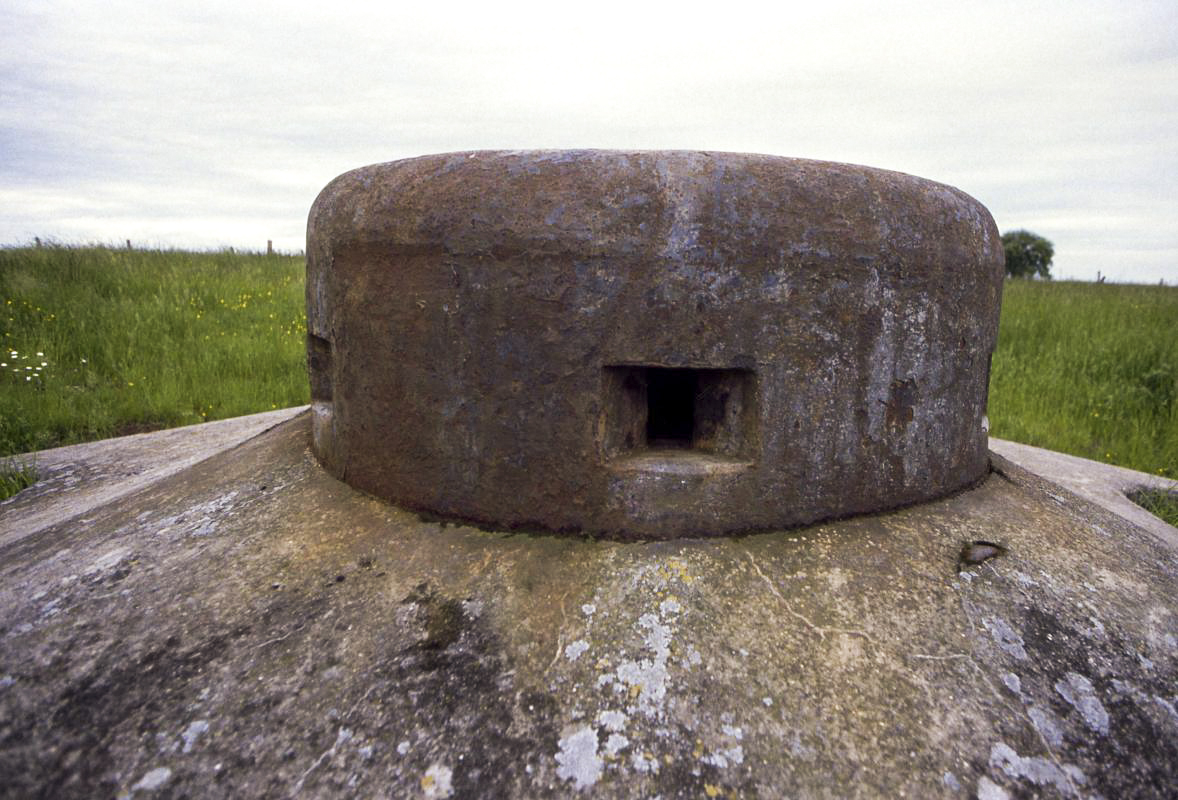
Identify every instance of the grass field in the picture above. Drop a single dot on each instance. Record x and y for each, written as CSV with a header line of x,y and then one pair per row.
x,y
97,342
1089,369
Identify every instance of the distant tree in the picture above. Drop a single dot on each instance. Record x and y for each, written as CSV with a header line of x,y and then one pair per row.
x,y
1027,255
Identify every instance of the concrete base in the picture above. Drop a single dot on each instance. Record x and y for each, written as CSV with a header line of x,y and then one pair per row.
x,y
81,477
251,627
1103,484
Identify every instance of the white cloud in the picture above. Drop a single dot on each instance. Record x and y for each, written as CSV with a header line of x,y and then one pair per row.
x,y
217,123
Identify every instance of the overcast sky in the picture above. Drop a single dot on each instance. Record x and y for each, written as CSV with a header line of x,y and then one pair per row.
x,y
209,124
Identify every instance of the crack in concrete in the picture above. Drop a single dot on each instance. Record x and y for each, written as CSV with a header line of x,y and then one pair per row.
x,y
820,630
342,736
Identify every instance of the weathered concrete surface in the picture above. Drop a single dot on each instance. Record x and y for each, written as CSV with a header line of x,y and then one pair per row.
x,y
1104,484
252,627
489,332
80,477
75,479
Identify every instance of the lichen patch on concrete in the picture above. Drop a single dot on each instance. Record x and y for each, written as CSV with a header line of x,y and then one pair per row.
x,y
577,758
154,779
612,720
437,782
1041,772
193,732
988,790
1079,692
1006,637
1047,725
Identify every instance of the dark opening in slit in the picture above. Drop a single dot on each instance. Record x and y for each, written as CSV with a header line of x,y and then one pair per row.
x,y
651,408
670,404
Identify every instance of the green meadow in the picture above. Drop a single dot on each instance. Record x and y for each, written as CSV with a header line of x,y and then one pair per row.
x,y
98,342
1089,369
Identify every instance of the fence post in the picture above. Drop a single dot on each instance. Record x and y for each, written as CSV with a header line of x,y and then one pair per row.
x,y
269,247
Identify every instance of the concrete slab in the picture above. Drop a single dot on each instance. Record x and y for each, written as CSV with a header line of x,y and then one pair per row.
x,y
1103,484
252,627
79,478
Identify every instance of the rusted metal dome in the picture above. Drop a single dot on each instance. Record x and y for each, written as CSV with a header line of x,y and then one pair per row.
x,y
649,344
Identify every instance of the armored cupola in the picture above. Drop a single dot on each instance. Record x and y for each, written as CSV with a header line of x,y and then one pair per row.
x,y
649,344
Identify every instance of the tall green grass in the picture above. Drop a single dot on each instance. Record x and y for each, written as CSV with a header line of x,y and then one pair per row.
x,y
1089,369
97,342
15,475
